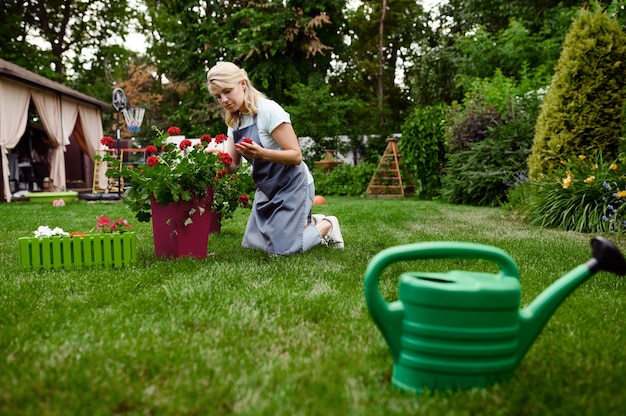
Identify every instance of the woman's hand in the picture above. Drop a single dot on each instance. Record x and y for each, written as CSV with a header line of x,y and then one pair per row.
x,y
290,153
249,149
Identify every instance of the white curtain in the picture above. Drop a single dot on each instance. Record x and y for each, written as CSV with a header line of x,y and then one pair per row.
x,y
14,100
69,112
69,115
49,109
91,121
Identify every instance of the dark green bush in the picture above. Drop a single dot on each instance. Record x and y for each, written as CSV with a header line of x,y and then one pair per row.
x,y
345,179
423,150
481,171
470,122
482,174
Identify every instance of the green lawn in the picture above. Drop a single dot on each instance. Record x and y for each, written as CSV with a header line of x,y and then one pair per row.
x,y
243,333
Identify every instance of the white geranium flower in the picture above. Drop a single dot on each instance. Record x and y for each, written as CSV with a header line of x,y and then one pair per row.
x,y
45,231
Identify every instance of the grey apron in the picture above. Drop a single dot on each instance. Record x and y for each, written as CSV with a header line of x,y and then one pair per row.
x,y
279,212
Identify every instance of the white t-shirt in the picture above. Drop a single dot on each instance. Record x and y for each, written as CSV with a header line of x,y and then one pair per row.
x,y
269,116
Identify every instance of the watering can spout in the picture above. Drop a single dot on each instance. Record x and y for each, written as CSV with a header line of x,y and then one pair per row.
x,y
605,257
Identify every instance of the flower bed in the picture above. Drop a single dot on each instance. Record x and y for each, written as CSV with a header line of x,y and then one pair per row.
x,y
56,252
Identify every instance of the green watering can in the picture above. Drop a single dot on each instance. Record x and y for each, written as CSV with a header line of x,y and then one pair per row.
x,y
465,329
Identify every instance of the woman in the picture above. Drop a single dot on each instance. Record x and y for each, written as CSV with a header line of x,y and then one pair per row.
x,y
261,131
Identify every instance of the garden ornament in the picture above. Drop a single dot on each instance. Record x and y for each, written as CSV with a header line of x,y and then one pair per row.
x,y
465,329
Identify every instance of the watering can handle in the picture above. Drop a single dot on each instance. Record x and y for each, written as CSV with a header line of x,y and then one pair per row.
x,y
388,317
443,250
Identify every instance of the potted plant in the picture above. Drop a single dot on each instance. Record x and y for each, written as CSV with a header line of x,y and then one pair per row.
x,y
183,187
108,244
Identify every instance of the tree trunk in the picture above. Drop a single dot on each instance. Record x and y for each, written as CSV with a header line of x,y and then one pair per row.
x,y
381,62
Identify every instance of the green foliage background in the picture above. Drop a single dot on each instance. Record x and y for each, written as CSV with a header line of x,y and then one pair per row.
x,y
476,57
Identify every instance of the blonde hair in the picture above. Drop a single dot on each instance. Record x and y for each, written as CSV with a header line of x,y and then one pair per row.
x,y
225,75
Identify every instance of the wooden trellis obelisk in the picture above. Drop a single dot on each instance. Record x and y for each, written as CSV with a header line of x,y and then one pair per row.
x,y
387,181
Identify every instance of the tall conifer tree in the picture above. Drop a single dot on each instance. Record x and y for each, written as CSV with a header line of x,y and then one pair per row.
x,y
581,113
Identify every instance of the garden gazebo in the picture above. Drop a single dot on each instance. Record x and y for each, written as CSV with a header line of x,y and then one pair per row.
x,y
67,117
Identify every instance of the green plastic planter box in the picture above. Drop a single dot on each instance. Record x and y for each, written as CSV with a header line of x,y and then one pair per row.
x,y
55,252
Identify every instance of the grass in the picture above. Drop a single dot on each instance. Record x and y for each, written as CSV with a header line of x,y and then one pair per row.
x,y
243,333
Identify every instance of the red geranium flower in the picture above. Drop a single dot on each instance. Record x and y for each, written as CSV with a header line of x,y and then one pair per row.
x,y
152,161
173,131
222,173
220,138
151,150
120,223
107,141
243,200
103,223
226,159
185,144
205,138
247,140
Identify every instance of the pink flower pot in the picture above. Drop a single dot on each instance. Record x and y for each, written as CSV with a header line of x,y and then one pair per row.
x,y
216,222
182,228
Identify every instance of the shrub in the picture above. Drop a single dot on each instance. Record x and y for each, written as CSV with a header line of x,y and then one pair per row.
x,y
469,123
582,110
586,195
345,179
423,150
481,172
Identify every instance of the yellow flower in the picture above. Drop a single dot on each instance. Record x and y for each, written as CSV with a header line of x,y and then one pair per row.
x,y
613,166
582,157
621,194
595,166
567,180
590,179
